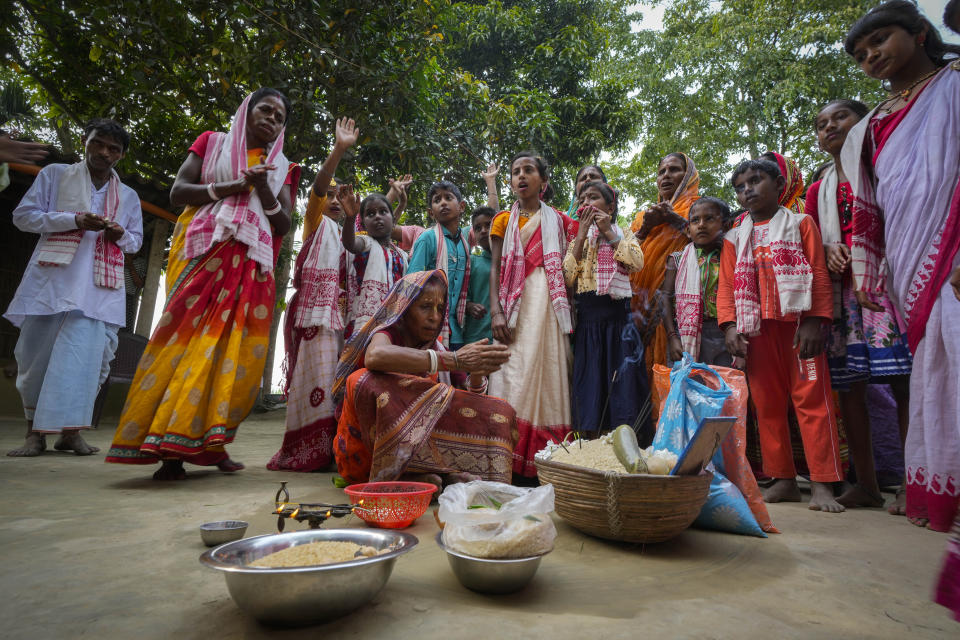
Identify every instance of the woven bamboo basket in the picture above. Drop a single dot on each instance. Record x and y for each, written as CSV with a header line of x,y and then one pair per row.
x,y
631,508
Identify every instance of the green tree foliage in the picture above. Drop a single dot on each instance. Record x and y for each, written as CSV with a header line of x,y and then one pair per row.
x,y
437,88
548,67
728,80
173,68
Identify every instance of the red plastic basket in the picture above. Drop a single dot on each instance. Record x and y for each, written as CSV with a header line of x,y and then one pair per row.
x,y
391,505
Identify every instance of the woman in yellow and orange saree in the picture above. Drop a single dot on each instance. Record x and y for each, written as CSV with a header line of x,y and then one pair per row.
x,y
200,373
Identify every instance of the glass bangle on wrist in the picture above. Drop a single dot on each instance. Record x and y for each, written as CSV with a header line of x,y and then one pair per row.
x,y
274,210
212,192
482,388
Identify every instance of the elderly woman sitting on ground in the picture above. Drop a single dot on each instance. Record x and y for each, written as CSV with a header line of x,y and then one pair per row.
x,y
402,416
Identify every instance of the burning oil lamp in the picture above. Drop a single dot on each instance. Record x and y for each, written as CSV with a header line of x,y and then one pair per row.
x,y
315,513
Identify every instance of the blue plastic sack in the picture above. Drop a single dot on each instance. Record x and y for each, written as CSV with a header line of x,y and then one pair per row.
x,y
688,402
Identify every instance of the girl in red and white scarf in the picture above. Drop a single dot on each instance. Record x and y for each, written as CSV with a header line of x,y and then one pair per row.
x,y
530,311
610,387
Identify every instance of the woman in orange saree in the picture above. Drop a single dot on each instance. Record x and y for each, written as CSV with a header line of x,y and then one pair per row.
x,y
661,230
402,415
200,373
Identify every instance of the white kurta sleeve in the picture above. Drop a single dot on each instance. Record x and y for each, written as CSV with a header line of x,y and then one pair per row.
x,y
131,219
34,214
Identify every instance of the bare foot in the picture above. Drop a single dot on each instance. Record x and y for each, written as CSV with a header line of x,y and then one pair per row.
x,y
782,490
170,470
821,498
230,466
857,496
73,441
899,506
919,522
66,443
460,476
36,443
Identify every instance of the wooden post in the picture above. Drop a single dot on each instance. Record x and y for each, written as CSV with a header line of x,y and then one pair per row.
x,y
148,300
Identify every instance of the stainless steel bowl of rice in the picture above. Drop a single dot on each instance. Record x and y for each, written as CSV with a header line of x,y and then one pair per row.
x,y
308,593
491,575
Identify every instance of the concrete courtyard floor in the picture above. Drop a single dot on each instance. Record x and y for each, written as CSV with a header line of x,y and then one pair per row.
x,y
95,550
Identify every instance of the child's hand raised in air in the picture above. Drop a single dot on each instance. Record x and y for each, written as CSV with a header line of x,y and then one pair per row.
x,y
838,258
349,202
401,184
491,172
476,310
346,133
736,343
398,189
809,338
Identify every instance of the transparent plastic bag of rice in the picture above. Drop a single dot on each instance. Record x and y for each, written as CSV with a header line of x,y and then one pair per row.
x,y
496,520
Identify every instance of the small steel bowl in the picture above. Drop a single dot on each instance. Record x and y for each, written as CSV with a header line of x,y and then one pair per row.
x,y
216,533
486,575
296,596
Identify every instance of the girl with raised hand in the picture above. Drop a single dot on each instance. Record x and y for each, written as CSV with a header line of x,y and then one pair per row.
x,y
377,262
903,164
530,311
863,345
313,324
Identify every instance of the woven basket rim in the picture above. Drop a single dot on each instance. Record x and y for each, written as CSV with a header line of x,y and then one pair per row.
x,y
604,475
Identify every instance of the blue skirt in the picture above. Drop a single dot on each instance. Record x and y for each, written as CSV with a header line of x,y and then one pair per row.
x,y
610,385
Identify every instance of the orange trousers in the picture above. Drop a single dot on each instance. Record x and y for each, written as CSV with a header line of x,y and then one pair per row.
x,y
777,376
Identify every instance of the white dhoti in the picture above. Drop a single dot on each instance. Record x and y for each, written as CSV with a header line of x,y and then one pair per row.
x,y
62,359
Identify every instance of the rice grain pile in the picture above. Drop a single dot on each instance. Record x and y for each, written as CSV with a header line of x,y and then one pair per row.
x,y
316,553
531,535
598,454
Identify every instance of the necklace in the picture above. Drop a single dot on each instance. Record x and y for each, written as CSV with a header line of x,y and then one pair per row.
x,y
904,94
846,205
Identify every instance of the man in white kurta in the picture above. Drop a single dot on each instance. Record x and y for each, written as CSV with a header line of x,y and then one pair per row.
x,y
69,315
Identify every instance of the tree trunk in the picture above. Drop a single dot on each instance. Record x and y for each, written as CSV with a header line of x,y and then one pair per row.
x,y
282,278
148,300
